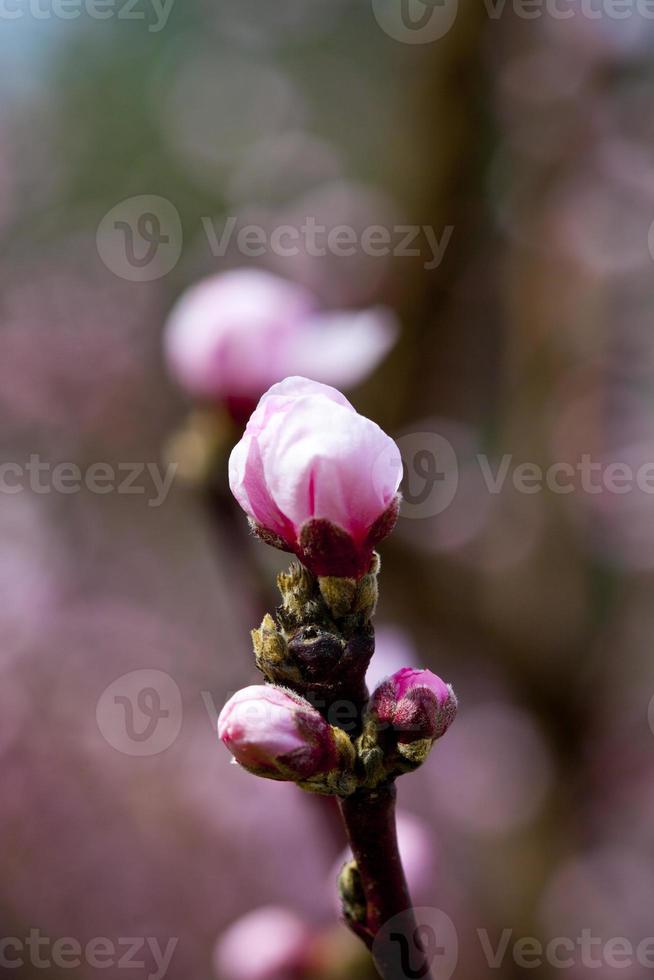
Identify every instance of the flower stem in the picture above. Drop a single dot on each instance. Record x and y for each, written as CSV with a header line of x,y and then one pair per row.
x,y
369,817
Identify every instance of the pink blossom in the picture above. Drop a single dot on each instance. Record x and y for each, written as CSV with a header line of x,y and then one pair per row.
x,y
409,677
276,733
270,943
316,478
416,703
234,334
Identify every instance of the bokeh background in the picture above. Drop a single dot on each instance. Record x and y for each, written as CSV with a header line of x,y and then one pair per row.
x,y
531,138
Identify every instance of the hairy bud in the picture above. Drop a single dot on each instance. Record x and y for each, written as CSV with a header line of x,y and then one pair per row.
x,y
417,704
275,733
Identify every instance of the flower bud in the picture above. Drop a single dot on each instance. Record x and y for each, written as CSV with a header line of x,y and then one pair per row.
x,y
276,733
271,654
417,704
316,478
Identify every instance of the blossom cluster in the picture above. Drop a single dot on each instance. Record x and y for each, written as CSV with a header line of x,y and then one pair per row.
x,y
321,481
273,732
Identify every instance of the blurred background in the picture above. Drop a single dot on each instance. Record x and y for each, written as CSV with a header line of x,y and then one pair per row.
x,y
131,135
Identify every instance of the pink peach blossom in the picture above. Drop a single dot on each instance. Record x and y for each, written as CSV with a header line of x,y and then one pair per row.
x,y
276,733
232,335
409,677
416,703
316,478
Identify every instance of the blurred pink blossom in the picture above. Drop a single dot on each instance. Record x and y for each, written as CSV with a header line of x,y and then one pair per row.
x,y
233,335
267,944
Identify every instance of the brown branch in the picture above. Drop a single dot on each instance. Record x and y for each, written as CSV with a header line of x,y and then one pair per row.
x,y
388,918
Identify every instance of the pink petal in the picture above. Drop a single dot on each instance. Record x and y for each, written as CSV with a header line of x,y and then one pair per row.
x,y
342,348
324,462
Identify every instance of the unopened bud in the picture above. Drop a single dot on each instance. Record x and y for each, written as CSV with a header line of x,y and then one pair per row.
x,y
271,653
275,733
417,704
